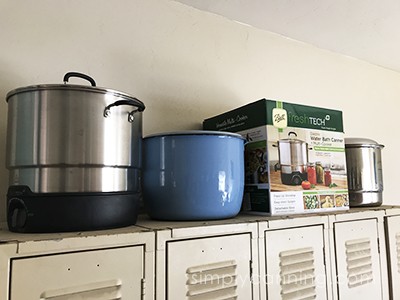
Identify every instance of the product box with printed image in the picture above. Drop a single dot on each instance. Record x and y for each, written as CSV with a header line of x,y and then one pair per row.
x,y
294,156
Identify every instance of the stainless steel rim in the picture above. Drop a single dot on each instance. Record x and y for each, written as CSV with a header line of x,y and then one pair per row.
x,y
70,87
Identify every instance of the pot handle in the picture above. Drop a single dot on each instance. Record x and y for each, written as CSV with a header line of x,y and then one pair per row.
x,y
132,102
80,75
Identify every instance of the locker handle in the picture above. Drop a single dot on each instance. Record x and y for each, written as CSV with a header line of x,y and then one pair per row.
x,y
212,266
116,283
359,241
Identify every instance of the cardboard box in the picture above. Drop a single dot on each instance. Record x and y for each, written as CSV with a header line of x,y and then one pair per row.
x,y
295,156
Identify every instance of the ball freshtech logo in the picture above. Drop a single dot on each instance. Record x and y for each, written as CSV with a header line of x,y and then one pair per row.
x,y
305,119
279,118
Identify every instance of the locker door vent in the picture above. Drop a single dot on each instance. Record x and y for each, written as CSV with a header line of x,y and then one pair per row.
x,y
297,274
106,290
398,250
359,262
216,281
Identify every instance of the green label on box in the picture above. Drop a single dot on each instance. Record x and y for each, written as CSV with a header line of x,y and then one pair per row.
x,y
276,113
295,115
245,117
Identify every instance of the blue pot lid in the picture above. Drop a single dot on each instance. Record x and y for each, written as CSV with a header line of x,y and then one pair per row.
x,y
197,133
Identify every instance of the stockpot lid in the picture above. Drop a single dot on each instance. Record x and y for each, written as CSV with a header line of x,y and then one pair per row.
x,y
75,87
197,133
361,142
292,139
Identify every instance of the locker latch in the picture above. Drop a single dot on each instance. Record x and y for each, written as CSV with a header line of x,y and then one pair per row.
x,y
143,288
251,270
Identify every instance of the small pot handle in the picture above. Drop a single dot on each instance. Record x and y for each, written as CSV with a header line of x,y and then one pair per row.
x,y
80,75
292,132
132,102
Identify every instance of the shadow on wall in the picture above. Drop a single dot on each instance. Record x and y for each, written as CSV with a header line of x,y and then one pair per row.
x,y
178,94
7,83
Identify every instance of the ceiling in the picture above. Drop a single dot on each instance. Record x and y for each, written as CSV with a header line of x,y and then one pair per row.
x,y
365,29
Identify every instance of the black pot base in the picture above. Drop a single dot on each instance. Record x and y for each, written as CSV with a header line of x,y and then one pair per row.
x,y
294,178
29,212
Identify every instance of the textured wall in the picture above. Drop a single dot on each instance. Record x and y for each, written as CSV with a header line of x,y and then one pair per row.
x,y
186,65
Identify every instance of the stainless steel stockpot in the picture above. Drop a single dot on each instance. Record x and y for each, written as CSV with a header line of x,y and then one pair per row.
x,y
364,171
65,138
293,153
293,158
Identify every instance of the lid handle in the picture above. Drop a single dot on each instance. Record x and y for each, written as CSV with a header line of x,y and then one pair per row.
x,y
79,75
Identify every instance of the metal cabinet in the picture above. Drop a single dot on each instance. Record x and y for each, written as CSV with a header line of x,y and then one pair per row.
x,y
359,255
334,256
214,267
392,227
292,258
101,274
206,260
110,264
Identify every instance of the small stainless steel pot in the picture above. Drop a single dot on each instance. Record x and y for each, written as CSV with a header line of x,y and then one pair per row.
x,y
364,171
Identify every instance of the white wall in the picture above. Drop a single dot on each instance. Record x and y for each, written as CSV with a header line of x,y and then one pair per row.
x,y
186,65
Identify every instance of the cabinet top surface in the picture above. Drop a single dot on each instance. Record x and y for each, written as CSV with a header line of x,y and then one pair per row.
x,y
145,224
7,236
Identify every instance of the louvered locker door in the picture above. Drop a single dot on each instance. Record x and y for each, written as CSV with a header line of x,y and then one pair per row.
x,y
214,268
357,260
393,240
100,274
295,264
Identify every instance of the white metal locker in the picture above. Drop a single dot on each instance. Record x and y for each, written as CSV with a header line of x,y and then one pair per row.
x,y
295,263
210,268
107,264
357,255
393,252
206,260
102,274
293,255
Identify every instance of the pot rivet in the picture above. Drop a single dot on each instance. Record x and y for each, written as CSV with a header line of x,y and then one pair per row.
x,y
131,117
106,112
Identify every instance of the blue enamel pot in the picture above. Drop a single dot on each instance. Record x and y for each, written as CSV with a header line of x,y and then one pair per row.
x,y
193,175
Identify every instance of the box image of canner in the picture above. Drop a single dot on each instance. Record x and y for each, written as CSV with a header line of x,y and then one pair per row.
x,y
294,156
